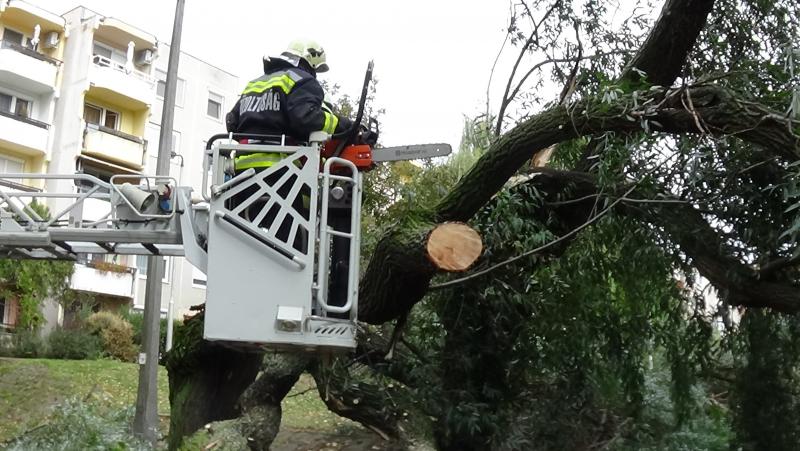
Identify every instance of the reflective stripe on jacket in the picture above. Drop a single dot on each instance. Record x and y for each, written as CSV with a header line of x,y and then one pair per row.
x,y
286,100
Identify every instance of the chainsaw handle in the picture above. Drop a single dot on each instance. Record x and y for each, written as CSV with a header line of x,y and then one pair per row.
x,y
353,131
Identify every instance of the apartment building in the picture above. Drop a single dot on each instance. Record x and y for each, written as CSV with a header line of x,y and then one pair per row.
x,y
106,92
83,93
31,52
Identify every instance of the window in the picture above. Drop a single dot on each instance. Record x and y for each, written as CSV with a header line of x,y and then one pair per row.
x,y
5,102
99,49
161,87
103,51
161,84
9,165
2,310
176,141
100,116
111,119
15,105
141,266
198,278
92,114
214,108
22,108
108,55
13,37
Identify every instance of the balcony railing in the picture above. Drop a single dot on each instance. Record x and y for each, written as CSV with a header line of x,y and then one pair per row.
x,y
102,61
115,132
115,145
102,281
27,120
29,52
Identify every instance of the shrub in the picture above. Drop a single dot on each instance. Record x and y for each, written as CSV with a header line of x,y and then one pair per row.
x,y
137,321
74,344
27,344
116,335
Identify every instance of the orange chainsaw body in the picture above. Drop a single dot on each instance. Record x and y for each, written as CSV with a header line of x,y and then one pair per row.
x,y
359,154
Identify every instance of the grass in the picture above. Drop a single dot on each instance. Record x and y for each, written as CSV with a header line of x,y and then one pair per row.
x,y
94,399
30,389
303,409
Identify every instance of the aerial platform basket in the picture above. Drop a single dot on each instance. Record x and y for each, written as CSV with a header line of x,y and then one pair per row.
x,y
261,237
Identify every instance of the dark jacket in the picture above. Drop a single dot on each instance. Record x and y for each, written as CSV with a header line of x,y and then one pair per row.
x,y
285,100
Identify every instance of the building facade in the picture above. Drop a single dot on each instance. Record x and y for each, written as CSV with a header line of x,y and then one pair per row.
x,y
83,93
31,67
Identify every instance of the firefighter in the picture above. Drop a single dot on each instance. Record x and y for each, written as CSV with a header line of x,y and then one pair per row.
x,y
287,100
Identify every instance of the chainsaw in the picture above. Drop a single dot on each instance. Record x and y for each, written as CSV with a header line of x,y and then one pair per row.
x,y
358,144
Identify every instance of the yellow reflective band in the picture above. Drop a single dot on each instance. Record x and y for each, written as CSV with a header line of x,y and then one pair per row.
x,y
331,121
284,82
257,160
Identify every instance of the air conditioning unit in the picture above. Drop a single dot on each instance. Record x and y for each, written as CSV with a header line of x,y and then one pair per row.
x,y
145,57
51,40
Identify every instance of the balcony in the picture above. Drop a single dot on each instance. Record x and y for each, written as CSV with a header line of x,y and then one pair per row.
x,y
104,278
27,69
132,85
113,145
23,134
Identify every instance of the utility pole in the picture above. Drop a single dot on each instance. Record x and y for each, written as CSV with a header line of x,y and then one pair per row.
x,y
145,423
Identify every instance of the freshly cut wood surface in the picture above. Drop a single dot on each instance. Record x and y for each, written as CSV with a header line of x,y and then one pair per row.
x,y
454,246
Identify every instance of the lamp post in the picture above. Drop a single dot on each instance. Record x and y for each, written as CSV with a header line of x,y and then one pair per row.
x,y
145,423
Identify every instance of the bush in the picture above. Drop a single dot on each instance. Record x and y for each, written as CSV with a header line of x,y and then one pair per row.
x,y
74,344
26,344
116,335
137,321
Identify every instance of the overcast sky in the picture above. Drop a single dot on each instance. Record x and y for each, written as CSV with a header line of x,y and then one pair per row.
x,y
432,58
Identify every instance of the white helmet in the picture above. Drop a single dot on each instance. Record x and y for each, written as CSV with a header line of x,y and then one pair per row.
x,y
308,50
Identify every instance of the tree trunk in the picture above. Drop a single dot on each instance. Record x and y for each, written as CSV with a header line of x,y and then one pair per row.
x,y
402,265
205,380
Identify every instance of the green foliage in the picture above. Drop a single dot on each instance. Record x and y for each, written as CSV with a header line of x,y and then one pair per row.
x,y
115,333
78,426
136,319
30,281
24,344
766,399
600,310
708,429
73,344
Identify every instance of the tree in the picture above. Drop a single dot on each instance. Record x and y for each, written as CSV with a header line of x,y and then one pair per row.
x,y
30,282
676,156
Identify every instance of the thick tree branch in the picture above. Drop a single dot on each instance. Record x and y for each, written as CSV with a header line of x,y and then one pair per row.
x,y
663,53
658,110
397,276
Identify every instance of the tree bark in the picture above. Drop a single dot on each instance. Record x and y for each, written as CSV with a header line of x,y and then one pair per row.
x,y
205,380
663,53
400,270
260,404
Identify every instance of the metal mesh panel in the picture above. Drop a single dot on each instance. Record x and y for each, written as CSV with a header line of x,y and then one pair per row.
x,y
276,203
